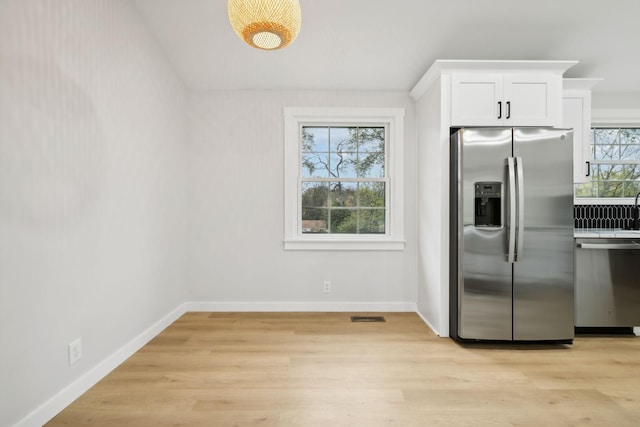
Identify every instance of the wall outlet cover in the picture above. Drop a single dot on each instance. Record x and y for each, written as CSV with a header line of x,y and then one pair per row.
x,y
326,286
75,351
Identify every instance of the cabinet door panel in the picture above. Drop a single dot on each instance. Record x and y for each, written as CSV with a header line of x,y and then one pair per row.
x,y
576,116
474,100
534,100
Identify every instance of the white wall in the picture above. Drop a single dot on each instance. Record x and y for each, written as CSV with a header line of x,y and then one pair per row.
x,y
623,100
237,200
433,208
92,190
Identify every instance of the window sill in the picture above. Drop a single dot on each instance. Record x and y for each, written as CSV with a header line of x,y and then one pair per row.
x,y
343,245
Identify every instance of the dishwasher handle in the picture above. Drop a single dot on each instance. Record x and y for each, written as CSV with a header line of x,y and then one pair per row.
x,y
633,245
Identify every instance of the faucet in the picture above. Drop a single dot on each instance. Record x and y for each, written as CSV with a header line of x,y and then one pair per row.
x,y
635,225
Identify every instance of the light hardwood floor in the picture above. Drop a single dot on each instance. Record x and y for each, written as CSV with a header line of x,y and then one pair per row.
x,y
319,369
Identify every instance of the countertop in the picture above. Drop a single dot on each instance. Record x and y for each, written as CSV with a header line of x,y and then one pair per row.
x,y
607,233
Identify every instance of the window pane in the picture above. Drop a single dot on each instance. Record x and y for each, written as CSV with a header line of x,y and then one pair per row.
x,y
371,165
343,139
371,194
630,152
315,195
315,202
606,136
344,221
343,165
372,221
609,173
630,136
631,172
371,152
606,152
315,139
344,194
631,188
371,140
588,189
610,189
315,165
314,220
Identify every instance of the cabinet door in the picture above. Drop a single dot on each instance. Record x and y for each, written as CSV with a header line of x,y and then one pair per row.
x,y
474,100
532,100
576,115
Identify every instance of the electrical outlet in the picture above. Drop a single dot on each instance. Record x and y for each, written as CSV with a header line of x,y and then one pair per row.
x,y
326,286
75,351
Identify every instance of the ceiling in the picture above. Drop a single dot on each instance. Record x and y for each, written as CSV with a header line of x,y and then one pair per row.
x,y
389,44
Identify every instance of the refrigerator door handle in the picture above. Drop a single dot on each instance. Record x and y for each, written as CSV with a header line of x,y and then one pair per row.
x,y
520,239
512,210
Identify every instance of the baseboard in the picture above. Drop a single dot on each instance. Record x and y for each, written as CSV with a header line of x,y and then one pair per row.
x,y
302,306
64,397
424,319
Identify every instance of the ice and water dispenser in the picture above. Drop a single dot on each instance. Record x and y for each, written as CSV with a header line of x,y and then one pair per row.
x,y
488,200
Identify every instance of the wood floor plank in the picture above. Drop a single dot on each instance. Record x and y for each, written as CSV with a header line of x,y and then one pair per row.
x,y
320,369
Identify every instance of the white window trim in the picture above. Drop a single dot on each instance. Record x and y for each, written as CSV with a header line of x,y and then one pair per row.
x,y
294,239
604,118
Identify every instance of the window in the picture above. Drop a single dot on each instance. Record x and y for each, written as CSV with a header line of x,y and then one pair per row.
x,y
615,164
343,178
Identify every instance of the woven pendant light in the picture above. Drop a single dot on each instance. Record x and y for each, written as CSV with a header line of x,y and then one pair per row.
x,y
265,24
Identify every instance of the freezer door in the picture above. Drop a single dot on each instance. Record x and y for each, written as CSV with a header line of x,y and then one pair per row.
x,y
543,271
484,275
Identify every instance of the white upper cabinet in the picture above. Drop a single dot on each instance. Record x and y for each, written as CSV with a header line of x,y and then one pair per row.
x,y
509,99
577,116
533,99
476,99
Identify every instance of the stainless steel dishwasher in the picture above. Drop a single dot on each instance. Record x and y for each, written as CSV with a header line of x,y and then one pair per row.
x,y
607,282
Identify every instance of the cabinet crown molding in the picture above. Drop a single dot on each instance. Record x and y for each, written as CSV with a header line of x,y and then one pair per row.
x,y
448,66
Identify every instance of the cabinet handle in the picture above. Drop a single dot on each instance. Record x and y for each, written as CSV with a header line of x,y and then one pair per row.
x,y
633,245
508,109
499,109
588,168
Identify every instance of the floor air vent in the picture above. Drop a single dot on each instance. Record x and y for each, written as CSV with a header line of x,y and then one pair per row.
x,y
367,319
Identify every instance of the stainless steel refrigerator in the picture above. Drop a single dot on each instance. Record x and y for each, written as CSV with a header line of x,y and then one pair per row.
x,y
511,234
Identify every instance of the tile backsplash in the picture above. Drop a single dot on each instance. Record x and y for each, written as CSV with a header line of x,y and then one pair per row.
x,y
602,216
